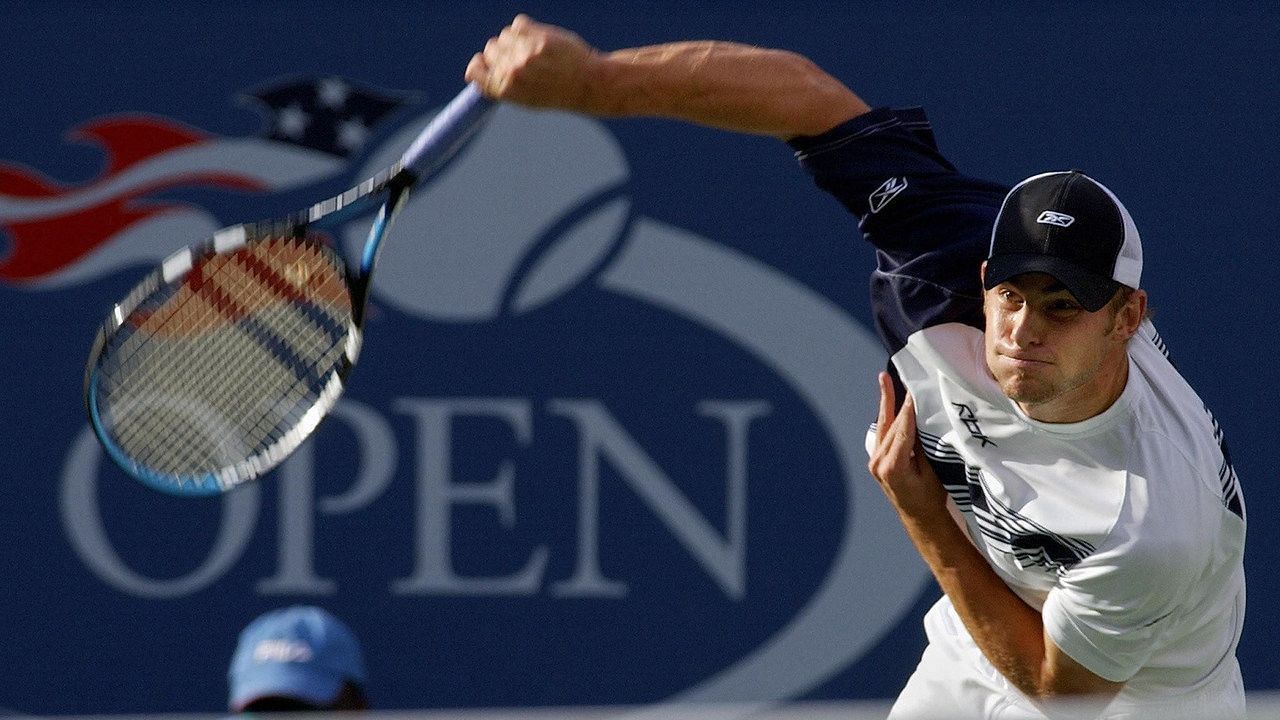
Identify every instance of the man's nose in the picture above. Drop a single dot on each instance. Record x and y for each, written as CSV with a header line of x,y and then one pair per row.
x,y
1025,327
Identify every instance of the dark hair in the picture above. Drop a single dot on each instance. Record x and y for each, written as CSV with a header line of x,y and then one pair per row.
x,y
1118,301
273,703
350,697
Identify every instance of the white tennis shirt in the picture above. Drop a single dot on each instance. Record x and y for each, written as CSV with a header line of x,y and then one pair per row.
x,y
1125,530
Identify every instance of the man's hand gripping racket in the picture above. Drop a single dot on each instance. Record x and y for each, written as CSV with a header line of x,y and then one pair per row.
x,y
224,359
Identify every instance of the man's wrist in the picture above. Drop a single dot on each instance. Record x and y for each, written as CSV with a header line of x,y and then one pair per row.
x,y
601,80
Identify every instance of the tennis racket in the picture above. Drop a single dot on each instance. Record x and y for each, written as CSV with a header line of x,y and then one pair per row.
x,y
224,359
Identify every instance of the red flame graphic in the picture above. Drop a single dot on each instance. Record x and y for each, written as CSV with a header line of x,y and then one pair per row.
x,y
43,245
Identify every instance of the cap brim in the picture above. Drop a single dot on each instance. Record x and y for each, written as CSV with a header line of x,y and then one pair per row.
x,y
283,680
1090,290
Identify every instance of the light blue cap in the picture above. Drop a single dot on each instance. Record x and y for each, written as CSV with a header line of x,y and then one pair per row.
x,y
298,652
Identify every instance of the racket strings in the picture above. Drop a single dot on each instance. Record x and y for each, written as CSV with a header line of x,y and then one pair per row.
x,y
227,369
246,367
215,370
147,404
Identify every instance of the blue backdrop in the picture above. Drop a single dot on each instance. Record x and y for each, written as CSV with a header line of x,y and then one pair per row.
x,y
604,446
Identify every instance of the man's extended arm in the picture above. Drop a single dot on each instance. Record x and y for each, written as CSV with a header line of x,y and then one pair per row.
x,y
1009,632
718,84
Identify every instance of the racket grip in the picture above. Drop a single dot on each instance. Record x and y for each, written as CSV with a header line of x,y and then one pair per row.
x,y
447,131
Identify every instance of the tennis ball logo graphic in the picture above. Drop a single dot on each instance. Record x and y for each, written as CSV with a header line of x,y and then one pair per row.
x,y
531,208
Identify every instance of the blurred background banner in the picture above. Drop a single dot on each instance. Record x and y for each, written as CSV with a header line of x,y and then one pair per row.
x,y
605,443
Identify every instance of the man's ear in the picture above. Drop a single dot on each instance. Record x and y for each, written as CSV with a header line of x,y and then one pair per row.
x,y
1132,314
982,286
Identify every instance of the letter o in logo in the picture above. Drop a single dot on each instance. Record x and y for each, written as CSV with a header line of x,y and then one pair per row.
x,y
82,518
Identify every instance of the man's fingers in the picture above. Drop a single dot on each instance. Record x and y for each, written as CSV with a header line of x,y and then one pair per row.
x,y
491,49
477,70
904,428
885,417
907,415
895,435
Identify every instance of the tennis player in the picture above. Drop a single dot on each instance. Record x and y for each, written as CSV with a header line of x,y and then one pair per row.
x,y
1069,490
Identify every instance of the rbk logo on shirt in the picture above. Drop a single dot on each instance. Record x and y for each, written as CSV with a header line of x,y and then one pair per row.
x,y
970,420
887,191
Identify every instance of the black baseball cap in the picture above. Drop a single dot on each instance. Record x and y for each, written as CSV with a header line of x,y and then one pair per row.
x,y
1071,227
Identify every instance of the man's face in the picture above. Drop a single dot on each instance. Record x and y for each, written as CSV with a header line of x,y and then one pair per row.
x,y
1058,361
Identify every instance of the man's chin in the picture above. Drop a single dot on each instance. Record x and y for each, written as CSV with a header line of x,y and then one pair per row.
x,y
1026,391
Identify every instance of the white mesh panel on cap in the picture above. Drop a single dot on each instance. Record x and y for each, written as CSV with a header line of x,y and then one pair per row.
x,y
1129,262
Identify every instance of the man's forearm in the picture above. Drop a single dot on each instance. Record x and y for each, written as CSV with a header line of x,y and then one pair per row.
x,y
722,85
718,84
1009,632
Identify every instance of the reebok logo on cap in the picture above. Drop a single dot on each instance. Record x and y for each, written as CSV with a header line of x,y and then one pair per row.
x,y
1049,217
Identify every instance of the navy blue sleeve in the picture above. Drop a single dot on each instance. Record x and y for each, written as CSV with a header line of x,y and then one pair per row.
x,y
930,225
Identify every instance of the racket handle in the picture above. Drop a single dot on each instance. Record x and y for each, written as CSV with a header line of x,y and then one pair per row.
x,y
447,131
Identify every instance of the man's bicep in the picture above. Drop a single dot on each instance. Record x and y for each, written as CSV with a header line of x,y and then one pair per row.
x,y
1064,676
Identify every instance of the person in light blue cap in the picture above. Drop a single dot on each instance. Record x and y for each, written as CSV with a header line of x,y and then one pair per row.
x,y
297,658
